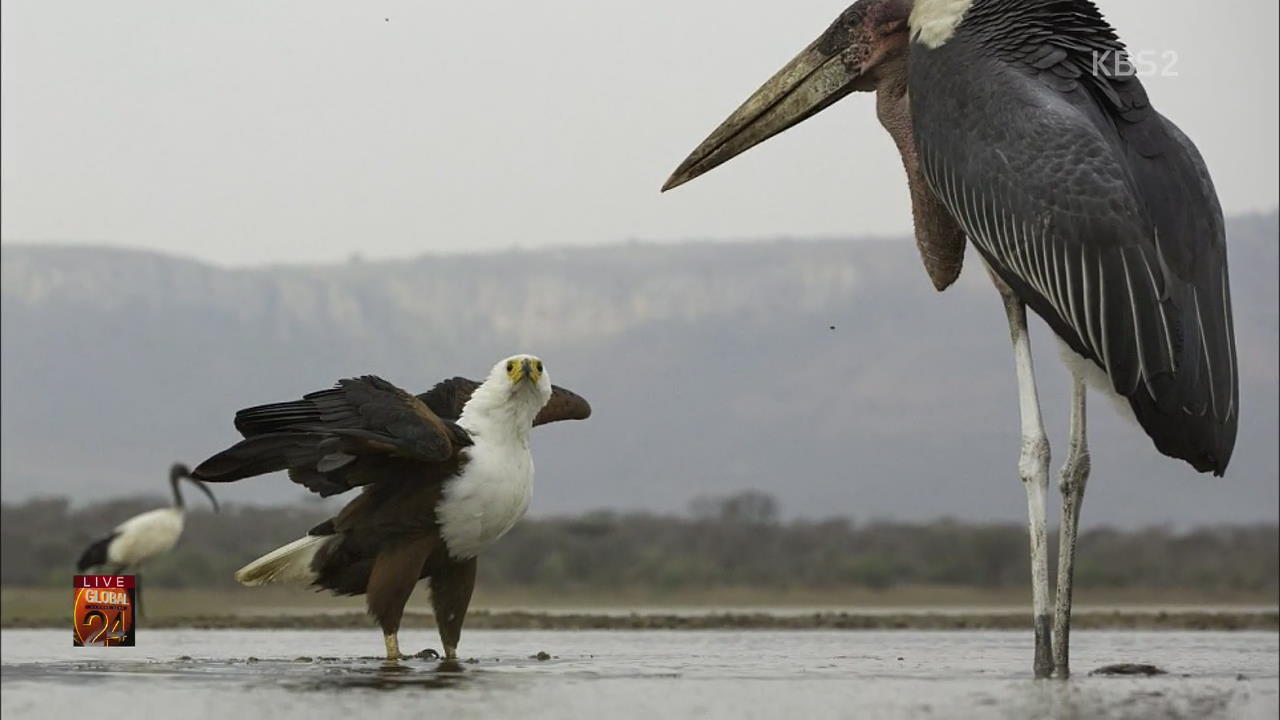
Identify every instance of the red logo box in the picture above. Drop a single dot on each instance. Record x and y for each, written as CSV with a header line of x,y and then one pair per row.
x,y
103,611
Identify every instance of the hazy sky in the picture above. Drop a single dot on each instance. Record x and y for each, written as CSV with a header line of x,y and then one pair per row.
x,y
244,131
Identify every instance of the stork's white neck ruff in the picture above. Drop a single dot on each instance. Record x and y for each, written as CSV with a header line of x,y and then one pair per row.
x,y
933,22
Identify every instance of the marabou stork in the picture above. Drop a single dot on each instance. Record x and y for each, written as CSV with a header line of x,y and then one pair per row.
x,y
1017,131
443,475
144,536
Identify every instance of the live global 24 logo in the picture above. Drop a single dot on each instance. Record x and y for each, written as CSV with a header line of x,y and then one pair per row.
x,y
104,609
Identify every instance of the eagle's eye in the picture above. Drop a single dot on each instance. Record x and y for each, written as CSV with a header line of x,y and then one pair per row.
x,y
538,365
510,366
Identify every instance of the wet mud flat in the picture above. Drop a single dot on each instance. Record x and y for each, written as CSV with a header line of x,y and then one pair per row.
x,y
625,674
1117,619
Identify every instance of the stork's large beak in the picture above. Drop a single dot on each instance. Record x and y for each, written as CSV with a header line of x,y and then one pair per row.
x,y
831,67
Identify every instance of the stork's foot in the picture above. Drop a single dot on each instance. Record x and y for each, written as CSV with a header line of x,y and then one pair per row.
x,y
1042,666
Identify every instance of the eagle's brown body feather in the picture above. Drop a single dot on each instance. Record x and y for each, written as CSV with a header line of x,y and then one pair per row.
x,y
400,449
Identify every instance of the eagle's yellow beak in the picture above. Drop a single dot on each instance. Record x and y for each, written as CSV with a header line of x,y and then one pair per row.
x,y
527,368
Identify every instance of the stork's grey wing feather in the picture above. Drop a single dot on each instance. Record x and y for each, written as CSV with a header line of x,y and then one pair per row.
x,y
1097,212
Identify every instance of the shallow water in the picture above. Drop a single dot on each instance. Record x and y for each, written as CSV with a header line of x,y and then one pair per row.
x,y
646,674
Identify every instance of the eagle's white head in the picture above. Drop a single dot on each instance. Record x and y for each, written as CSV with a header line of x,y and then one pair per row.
x,y
510,397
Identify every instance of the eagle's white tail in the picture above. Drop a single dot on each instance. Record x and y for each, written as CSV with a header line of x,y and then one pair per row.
x,y
288,564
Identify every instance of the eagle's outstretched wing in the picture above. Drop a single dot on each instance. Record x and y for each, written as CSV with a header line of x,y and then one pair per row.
x,y
360,431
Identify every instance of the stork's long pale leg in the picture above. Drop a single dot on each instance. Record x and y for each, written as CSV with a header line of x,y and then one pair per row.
x,y
1033,469
1075,474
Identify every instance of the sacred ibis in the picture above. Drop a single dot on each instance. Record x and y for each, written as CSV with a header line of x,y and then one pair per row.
x,y
143,537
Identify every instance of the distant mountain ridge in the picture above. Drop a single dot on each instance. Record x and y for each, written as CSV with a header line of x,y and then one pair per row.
x,y
827,373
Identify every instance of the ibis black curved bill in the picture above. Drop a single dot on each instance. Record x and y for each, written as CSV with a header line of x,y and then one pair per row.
x,y
179,472
208,493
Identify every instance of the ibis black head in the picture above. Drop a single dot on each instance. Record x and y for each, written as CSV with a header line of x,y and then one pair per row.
x,y
179,471
864,49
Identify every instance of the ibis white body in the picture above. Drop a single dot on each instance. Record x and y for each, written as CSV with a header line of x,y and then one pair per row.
x,y
145,536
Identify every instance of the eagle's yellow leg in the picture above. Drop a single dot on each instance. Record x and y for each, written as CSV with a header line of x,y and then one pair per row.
x,y
450,652
393,647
